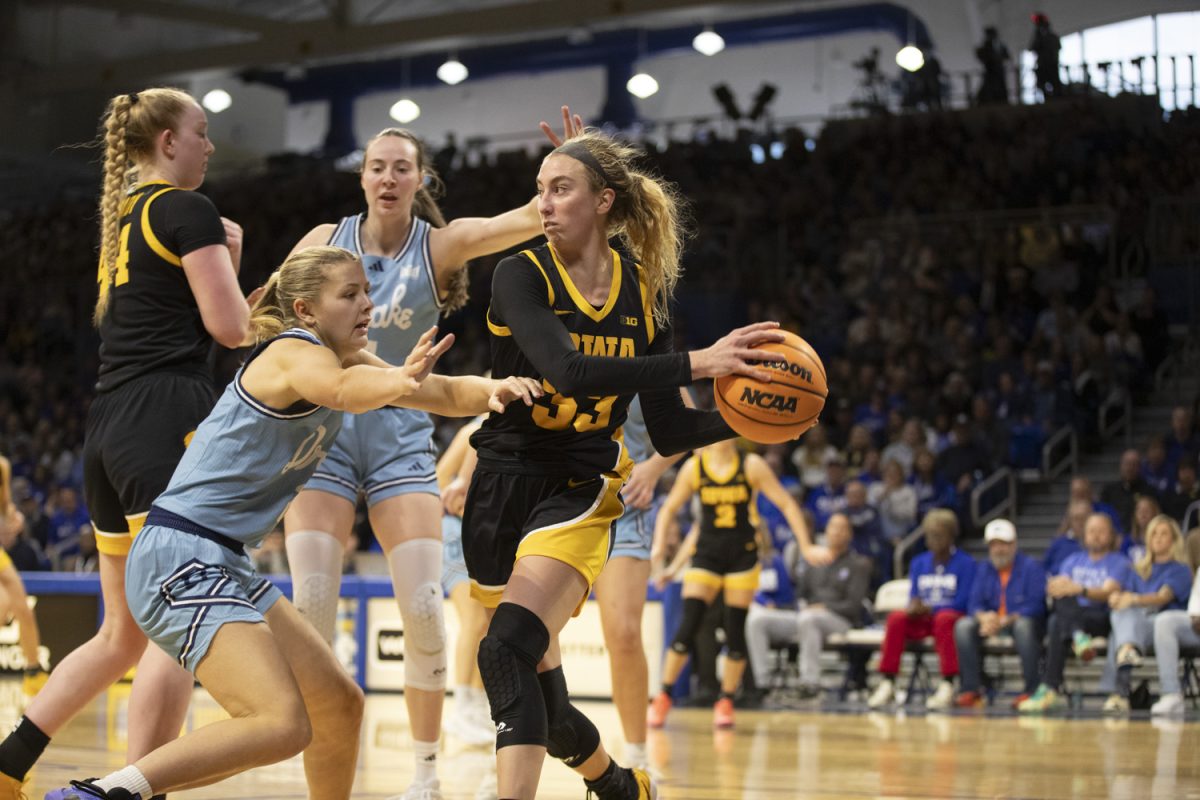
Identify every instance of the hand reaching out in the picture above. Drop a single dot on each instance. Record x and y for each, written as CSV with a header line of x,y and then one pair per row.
x,y
733,353
514,388
572,127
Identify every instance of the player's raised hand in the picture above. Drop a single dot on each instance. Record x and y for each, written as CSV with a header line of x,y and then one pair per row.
x,y
734,353
420,361
572,127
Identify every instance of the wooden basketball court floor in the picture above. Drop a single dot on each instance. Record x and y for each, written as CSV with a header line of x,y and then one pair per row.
x,y
770,754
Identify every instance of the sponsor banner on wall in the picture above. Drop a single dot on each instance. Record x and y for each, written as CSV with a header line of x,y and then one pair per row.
x,y
585,658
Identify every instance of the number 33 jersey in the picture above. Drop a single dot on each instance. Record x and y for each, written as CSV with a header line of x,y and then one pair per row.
x,y
561,435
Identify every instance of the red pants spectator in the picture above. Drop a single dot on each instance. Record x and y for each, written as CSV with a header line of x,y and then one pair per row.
x,y
902,629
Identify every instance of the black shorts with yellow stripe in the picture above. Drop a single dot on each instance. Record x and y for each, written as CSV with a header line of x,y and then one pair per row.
x,y
135,437
740,572
508,517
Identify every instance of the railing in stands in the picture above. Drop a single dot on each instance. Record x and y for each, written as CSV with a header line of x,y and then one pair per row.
x,y
1115,416
1053,463
902,547
985,492
1191,517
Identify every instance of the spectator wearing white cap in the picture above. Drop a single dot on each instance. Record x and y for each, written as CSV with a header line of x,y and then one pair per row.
x,y
1008,596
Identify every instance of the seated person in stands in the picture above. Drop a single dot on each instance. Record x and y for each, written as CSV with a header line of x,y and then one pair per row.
x,y
1080,593
831,600
941,586
1133,544
1007,597
1160,580
1070,540
868,539
830,497
1185,491
1173,630
933,491
1081,489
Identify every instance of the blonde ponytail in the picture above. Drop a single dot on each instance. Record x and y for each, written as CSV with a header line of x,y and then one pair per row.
x,y
116,176
6,501
132,123
648,214
266,317
300,277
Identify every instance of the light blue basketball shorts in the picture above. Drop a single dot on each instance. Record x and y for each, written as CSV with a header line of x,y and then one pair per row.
x,y
182,588
387,452
454,568
635,533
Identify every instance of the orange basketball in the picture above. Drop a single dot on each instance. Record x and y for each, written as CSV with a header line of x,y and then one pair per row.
x,y
784,408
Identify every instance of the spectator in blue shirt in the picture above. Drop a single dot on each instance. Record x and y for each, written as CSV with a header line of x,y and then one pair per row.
x,y
1182,442
1080,593
932,490
1161,580
869,539
830,497
1157,471
1007,596
1133,544
66,522
1070,540
941,587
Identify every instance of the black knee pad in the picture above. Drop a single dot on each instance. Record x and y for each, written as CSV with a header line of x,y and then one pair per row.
x,y
735,633
571,736
689,623
508,657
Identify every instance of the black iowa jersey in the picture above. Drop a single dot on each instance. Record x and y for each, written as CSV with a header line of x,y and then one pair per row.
x,y
728,512
542,327
153,322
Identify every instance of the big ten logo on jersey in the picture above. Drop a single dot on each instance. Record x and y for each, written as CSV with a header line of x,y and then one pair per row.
x,y
309,452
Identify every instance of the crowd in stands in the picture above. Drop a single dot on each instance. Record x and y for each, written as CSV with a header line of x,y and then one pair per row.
x,y
951,349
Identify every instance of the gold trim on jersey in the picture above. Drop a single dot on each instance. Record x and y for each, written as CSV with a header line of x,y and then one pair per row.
x,y
498,330
549,286
581,302
148,232
712,476
746,580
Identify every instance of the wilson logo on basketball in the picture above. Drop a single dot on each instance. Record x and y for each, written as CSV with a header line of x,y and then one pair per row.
x,y
768,400
789,368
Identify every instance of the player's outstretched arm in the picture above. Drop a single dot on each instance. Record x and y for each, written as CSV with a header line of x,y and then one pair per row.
x,y
761,478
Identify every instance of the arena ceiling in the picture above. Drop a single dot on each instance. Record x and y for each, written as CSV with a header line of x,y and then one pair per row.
x,y
64,45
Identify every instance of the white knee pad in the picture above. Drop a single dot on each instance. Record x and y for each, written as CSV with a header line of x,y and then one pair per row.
x,y
416,567
315,560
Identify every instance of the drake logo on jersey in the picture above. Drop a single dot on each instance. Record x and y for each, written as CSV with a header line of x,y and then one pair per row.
x,y
769,400
309,452
393,313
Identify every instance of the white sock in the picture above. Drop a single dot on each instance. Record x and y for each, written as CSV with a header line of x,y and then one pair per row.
x,y
635,755
130,779
315,560
426,756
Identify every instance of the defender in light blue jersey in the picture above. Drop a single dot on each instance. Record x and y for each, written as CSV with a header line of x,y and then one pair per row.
x,y
416,264
191,587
